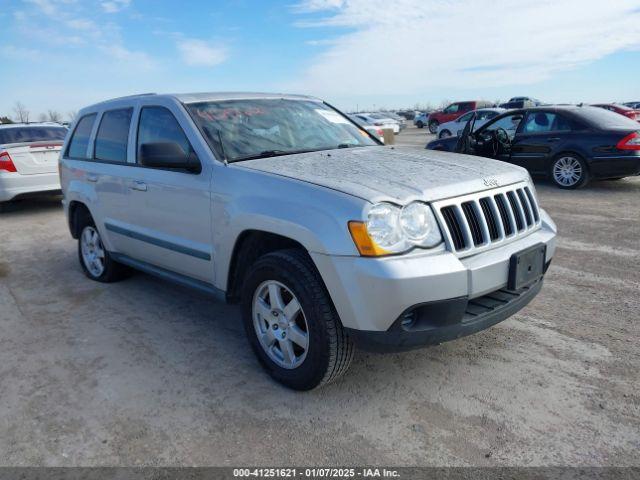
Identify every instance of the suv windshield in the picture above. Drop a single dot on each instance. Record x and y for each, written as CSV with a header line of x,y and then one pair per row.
x,y
31,134
246,129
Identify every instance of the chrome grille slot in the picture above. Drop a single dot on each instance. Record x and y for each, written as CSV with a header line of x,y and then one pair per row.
x,y
474,224
479,221
453,226
492,224
525,205
516,209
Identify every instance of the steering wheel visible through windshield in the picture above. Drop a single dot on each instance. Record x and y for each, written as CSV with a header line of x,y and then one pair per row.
x,y
246,129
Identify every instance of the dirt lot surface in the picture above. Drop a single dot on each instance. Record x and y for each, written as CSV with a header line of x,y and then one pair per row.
x,y
145,373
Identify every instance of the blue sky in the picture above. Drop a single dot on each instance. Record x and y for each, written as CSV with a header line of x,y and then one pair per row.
x,y
64,54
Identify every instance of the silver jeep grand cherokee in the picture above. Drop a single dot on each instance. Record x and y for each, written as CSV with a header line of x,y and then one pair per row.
x,y
326,238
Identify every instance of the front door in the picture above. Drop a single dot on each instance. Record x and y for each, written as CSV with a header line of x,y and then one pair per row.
x,y
540,137
170,209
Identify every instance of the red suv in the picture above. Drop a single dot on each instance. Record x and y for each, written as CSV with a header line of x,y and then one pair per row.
x,y
453,111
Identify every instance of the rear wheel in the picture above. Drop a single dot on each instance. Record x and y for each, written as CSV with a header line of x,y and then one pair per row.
x,y
433,126
569,171
95,260
419,124
291,323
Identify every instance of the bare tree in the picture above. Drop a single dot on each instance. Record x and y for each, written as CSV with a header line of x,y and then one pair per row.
x,y
42,117
22,114
54,116
71,115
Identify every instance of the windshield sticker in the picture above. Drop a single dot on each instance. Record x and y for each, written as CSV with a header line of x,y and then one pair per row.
x,y
333,117
267,132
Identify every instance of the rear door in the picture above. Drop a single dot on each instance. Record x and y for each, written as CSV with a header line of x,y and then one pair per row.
x,y
33,149
541,135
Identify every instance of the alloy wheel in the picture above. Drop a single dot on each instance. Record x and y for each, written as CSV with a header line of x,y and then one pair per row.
x,y
567,171
93,254
280,324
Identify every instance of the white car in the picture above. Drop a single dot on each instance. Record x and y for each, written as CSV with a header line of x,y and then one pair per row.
x,y
379,122
29,159
455,127
372,129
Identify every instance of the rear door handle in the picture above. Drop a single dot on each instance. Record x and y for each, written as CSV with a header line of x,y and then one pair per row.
x,y
553,139
138,185
92,177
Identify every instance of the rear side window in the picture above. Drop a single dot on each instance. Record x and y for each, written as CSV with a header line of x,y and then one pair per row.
x,y
31,134
80,139
113,136
158,125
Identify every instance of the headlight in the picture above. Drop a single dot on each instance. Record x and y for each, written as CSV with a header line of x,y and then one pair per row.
x,y
383,225
391,229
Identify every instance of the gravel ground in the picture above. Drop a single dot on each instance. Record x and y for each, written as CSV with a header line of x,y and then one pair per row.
x,y
145,373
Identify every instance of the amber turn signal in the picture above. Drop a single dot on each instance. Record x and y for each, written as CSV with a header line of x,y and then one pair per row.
x,y
364,243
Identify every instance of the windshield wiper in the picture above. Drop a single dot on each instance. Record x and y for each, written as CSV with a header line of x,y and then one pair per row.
x,y
270,153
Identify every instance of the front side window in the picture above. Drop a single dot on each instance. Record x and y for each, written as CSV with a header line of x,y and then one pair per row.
x,y
466,117
158,125
509,123
113,136
453,108
80,140
245,129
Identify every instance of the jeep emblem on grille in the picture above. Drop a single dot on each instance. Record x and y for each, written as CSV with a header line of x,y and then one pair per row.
x,y
490,182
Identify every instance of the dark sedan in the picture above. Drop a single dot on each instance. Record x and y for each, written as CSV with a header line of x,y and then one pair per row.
x,y
569,144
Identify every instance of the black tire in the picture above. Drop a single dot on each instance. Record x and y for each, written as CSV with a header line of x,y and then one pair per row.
x,y
330,350
444,134
433,126
419,124
113,271
584,171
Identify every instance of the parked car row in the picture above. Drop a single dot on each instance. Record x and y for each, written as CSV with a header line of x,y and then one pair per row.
x,y
379,119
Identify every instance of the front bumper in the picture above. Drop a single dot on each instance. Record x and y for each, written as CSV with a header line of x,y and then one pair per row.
x,y
437,322
14,185
371,295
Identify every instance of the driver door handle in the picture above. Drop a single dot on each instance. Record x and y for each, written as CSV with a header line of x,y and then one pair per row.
x,y
138,185
553,139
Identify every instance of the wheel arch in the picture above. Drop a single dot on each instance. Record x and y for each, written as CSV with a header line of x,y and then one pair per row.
x,y
76,209
249,246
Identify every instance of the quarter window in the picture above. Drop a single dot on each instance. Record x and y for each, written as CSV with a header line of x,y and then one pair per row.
x,y
158,125
113,136
80,139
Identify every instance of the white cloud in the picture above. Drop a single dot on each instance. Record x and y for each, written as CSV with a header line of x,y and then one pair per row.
x,y
113,6
410,45
198,53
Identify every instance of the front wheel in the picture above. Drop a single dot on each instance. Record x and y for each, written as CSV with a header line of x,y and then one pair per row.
x,y
419,124
444,134
433,126
569,171
291,323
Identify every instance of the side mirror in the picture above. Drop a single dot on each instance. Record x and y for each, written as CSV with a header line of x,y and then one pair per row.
x,y
167,155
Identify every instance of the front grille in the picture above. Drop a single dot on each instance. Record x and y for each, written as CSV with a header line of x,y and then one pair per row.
x,y
481,220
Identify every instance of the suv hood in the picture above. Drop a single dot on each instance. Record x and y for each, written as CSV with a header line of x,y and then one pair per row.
x,y
392,173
